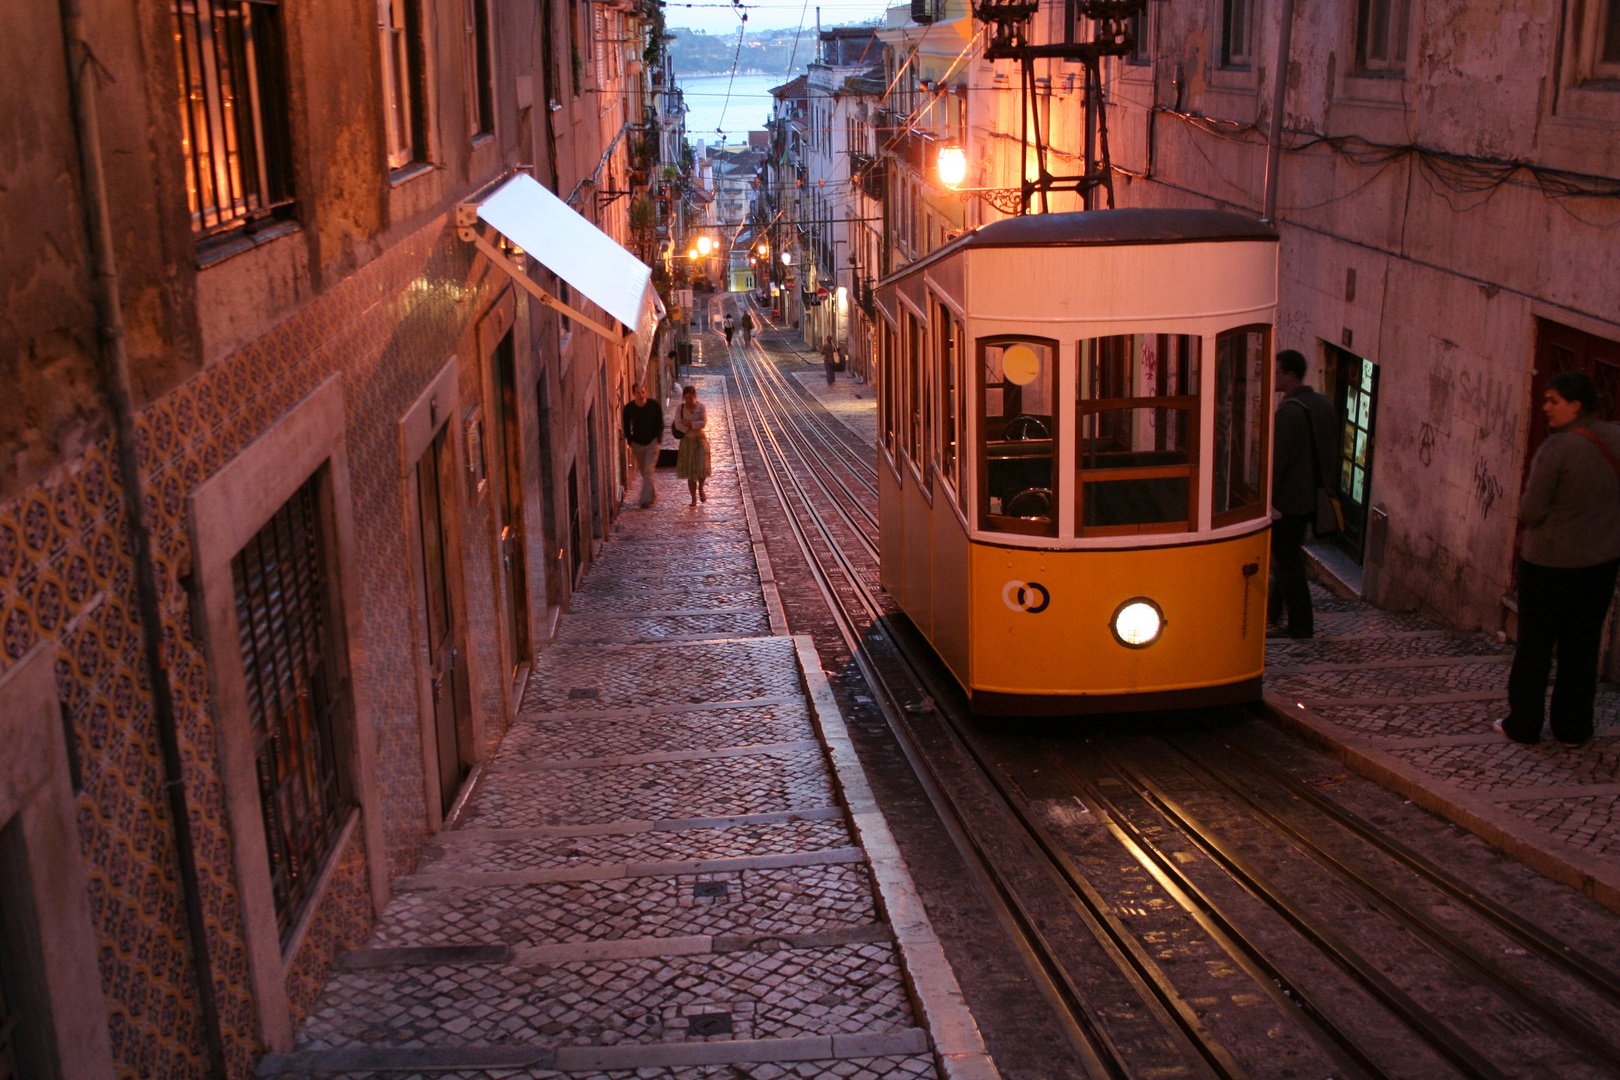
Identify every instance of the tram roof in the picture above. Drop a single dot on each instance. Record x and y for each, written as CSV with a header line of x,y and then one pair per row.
x,y
1102,228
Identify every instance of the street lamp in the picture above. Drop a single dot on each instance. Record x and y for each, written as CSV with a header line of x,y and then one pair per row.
x,y
764,249
787,258
704,245
952,165
692,253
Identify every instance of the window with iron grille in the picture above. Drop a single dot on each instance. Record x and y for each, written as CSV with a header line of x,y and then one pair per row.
x,y
400,22
233,113
1381,27
294,695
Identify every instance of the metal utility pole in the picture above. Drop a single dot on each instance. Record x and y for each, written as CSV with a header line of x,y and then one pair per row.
x,y
1009,22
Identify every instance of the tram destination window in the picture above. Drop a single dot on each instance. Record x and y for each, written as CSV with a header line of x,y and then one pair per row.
x,y
1137,459
1019,433
1242,397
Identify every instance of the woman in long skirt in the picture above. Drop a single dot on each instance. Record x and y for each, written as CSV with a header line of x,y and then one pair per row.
x,y
692,462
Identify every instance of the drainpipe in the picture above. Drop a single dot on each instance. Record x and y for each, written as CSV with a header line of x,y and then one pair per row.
x,y
1279,95
115,388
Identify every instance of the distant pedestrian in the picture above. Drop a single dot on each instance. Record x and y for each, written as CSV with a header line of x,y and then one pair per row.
x,y
1304,450
643,421
829,360
747,328
692,463
728,327
1571,515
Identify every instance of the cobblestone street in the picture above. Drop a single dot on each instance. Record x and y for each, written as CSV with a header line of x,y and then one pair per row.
x,y
1410,704
671,868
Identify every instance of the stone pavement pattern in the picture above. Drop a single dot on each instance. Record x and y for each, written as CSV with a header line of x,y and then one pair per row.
x,y
1411,705
653,877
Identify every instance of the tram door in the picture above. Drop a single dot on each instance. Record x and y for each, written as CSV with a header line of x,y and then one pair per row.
x,y
435,510
510,495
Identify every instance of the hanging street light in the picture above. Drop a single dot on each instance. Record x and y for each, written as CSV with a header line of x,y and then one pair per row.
x,y
787,258
952,165
704,245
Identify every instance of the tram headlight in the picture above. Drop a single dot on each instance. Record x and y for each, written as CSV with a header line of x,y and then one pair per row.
x,y
1137,623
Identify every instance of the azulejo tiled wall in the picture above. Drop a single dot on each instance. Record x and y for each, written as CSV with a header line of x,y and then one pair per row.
x,y
66,574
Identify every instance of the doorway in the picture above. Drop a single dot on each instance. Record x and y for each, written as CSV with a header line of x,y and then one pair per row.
x,y
575,526
593,466
509,493
1352,382
548,491
435,480
1562,348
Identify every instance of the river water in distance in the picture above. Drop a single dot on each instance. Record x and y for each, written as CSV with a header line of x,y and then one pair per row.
x,y
709,112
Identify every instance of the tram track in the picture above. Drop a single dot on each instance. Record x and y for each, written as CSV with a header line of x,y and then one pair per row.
x,y
1229,878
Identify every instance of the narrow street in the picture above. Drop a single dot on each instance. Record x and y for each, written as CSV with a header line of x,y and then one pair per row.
x,y
659,868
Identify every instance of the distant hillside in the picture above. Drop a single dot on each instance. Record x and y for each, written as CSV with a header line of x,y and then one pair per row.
x,y
698,53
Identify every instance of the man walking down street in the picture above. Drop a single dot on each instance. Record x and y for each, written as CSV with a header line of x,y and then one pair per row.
x,y
747,328
1571,515
643,421
829,360
1298,470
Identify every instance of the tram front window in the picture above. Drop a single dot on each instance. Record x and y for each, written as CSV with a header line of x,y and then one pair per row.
x,y
1019,437
1137,460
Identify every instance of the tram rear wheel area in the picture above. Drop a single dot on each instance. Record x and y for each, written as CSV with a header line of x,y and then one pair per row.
x,y
1075,420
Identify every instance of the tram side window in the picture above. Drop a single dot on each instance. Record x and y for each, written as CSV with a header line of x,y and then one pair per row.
x,y
1242,394
1017,382
890,374
945,349
914,398
1138,453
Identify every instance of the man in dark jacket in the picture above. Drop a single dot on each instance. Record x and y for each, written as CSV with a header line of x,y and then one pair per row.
x,y
1571,552
1296,474
643,421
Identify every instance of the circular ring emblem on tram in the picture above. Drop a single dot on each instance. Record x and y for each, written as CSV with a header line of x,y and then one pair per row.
x,y
1030,596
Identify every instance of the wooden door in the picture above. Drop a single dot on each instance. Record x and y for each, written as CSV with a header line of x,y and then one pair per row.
x,y
509,491
435,512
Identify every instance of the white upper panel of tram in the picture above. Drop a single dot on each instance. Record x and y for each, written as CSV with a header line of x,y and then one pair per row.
x,y
1095,379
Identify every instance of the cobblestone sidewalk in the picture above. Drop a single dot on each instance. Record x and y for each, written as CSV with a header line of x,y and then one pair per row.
x,y
659,874
1410,705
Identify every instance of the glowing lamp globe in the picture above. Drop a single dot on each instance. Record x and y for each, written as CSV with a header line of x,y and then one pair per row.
x,y
704,245
952,165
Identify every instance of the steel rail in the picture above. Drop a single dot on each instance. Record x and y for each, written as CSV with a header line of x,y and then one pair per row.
x,y
868,532
1555,952
846,441
775,384
1102,1057
1462,955
1431,1029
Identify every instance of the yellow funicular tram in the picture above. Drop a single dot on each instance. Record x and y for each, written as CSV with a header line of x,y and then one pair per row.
x,y
1076,423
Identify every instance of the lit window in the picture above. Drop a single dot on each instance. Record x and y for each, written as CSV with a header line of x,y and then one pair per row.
x,y
233,118
1138,452
1018,436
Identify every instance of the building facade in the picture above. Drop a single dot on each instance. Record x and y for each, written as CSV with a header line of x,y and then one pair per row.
x,y
296,483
